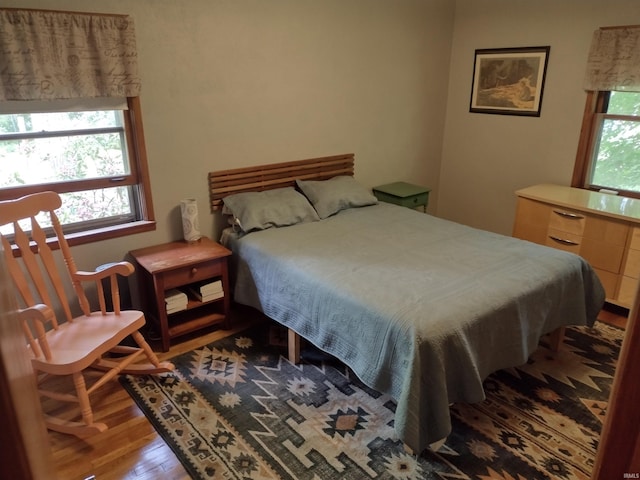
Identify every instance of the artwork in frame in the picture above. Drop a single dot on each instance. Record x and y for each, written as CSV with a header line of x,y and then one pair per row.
x,y
509,81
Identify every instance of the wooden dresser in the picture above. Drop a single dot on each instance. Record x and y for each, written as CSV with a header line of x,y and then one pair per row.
x,y
601,227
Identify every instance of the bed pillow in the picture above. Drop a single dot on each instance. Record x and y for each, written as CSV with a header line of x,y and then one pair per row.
x,y
272,208
338,193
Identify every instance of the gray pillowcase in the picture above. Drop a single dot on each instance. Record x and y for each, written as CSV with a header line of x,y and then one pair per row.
x,y
328,197
272,208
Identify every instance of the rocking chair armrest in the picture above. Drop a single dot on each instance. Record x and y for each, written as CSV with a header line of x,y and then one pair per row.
x,y
40,312
123,268
34,321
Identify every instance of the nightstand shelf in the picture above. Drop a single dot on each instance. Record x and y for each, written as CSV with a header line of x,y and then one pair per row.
x,y
187,321
403,194
179,265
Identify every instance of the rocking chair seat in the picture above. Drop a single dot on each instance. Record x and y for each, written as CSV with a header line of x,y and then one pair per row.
x,y
75,346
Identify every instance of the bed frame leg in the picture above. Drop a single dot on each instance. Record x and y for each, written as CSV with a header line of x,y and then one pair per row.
x,y
294,347
556,338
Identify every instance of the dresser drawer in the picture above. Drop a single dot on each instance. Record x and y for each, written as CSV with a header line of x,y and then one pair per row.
x,y
602,255
632,265
532,212
609,282
627,291
635,239
607,231
532,220
194,273
567,221
563,240
632,262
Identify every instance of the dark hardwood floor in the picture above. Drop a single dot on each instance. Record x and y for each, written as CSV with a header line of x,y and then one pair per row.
x,y
614,315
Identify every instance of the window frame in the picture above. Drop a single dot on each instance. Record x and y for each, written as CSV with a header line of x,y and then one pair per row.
x,y
597,103
138,178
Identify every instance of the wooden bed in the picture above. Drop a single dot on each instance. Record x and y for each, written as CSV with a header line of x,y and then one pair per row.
x,y
277,175
442,312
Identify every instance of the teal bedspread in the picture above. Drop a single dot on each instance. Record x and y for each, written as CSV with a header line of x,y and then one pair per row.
x,y
420,308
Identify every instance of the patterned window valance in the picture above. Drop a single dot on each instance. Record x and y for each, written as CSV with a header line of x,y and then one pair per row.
x,y
47,55
614,59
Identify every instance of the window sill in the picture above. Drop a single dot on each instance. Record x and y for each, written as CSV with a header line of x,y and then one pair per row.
x,y
96,235
618,192
99,234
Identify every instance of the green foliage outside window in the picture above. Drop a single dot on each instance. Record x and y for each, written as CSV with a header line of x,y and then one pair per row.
x,y
617,156
45,148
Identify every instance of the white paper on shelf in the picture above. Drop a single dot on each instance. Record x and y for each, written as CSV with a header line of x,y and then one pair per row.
x,y
175,296
177,308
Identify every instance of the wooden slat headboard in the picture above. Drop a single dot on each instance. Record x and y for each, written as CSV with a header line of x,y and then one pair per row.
x,y
275,175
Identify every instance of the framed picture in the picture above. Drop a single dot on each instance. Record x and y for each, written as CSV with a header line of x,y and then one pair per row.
x,y
509,81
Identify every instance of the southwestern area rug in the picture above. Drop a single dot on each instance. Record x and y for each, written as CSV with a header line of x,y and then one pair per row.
x,y
237,409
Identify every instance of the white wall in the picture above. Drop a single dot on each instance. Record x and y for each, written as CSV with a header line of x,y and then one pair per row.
x,y
487,157
230,83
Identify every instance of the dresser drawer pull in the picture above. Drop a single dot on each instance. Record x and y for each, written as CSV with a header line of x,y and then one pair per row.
x,y
573,216
194,270
563,241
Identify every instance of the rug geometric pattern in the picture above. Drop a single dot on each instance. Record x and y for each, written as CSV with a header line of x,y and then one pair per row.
x,y
238,409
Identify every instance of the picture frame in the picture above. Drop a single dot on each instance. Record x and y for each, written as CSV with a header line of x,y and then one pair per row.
x,y
509,81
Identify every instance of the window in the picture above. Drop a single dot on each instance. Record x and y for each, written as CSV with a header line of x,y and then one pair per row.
x,y
609,151
92,156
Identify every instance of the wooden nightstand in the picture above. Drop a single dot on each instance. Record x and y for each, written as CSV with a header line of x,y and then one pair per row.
x,y
404,194
179,265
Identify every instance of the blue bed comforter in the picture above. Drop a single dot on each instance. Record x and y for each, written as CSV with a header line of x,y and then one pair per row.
x,y
420,308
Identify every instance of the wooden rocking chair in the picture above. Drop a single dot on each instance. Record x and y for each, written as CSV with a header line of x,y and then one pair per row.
x,y
91,341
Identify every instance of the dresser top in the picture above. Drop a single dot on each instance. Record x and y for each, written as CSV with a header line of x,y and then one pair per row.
x,y
606,204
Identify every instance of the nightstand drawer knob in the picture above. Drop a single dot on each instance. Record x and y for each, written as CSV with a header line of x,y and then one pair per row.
x,y
194,270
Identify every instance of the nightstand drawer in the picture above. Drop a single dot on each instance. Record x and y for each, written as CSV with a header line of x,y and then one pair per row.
x,y
411,201
403,194
195,273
